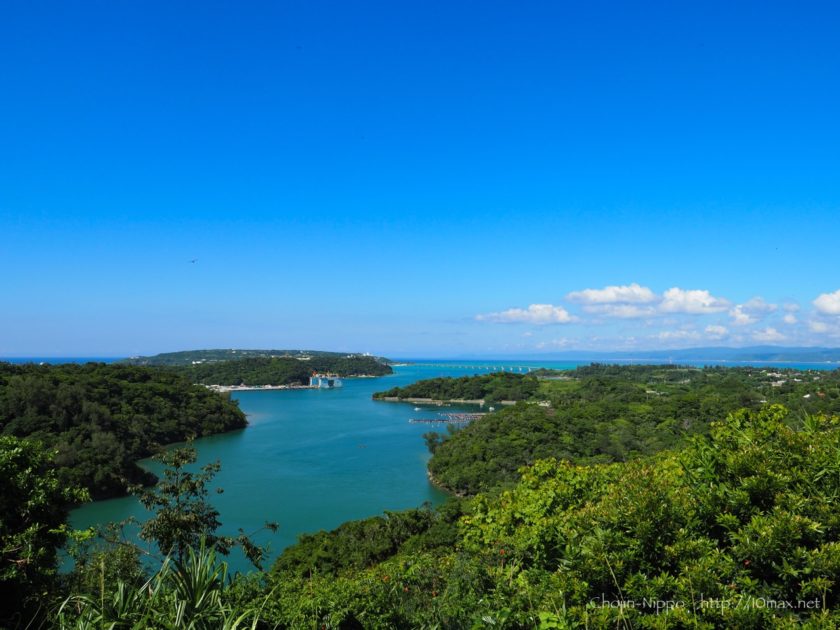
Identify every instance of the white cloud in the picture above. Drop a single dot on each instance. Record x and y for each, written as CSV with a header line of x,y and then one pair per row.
x,y
828,303
677,317
635,301
677,335
535,314
740,317
621,311
751,311
818,327
554,343
695,302
758,305
716,331
768,334
630,293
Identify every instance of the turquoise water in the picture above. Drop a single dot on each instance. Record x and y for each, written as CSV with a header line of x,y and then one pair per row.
x,y
312,459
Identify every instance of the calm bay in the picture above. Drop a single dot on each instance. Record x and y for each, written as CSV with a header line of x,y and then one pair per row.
x,y
312,459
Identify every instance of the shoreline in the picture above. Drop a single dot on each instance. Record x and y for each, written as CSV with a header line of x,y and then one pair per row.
x,y
439,403
255,388
439,486
251,388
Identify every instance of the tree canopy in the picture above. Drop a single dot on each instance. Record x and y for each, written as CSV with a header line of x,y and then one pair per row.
x,y
33,513
605,413
707,516
258,371
493,387
101,418
737,528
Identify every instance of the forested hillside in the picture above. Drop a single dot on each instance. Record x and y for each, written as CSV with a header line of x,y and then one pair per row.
x,y
736,529
102,418
259,371
605,413
735,526
189,357
491,388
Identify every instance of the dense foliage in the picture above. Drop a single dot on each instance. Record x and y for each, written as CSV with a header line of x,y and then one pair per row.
x,y
100,419
189,357
735,530
494,387
734,526
738,529
188,593
260,371
361,544
32,526
489,453
604,413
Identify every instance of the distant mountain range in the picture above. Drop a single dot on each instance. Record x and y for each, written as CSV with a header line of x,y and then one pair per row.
x,y
189,357
752,353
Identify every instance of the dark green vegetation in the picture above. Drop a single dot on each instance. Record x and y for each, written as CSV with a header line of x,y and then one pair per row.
x,y
33,512
195,593
736,529
733,526
491,388
260,371
188,357
361,544
100,419
606,413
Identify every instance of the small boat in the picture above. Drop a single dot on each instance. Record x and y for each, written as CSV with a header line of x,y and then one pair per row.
x,y
418,409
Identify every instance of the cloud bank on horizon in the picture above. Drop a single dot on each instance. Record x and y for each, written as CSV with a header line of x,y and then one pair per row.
x,y
635,316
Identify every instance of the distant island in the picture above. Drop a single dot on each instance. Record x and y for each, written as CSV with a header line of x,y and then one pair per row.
x,y
191,357
280,371
263,368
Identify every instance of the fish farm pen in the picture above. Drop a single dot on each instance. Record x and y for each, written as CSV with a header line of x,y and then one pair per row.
x,y
449,418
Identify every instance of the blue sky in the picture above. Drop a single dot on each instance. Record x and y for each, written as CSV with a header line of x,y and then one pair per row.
x,y
417,179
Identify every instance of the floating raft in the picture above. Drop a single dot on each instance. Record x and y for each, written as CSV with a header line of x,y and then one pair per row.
x,y
448,418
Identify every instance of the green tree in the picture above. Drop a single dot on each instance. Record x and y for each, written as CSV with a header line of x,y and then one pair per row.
x,y
102,418
33,514
183,517
433,439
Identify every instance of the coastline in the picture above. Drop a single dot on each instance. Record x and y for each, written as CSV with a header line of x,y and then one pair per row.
x,y
437,484
439,403
250,388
